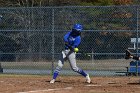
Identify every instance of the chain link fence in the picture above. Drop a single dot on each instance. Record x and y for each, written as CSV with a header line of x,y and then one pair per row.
x,y
31,39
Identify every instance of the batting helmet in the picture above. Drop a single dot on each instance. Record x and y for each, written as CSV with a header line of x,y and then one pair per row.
x,y
78,27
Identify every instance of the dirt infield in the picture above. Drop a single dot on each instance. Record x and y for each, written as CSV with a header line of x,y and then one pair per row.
x,y
68,84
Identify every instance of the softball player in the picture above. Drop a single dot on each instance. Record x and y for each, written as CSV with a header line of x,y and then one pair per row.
x,y
128,55
72,40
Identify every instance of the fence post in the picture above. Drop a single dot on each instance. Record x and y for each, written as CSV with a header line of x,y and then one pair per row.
x,y
52,49
137,39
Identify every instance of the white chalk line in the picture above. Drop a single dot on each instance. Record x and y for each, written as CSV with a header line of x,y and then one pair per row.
x,y
91,85
46,90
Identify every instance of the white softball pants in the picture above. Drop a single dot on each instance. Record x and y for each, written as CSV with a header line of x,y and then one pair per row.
x,y
71,57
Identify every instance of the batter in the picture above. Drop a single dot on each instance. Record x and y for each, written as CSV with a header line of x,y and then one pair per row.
x,y
72,40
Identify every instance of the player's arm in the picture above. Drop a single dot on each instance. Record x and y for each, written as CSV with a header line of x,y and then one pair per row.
x,y
66,41
77,42
74,47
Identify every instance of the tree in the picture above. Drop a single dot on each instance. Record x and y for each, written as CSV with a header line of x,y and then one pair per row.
x,y
24,3
98,2
123,2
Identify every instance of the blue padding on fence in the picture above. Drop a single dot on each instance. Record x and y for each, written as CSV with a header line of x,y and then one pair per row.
x,y
133,69
133,63
133,66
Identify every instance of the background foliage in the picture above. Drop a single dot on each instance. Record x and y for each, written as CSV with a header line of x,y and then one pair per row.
x,y
97,19
32,3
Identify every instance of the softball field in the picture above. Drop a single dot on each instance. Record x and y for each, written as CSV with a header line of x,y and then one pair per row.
x,y
68,84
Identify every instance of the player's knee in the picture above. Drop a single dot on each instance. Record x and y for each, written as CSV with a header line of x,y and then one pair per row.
x,y
60,64
75,69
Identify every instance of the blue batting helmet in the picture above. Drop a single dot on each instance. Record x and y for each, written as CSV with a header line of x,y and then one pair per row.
x,y
78,27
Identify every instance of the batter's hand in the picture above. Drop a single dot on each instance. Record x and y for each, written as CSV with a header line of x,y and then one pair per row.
x,y
70,47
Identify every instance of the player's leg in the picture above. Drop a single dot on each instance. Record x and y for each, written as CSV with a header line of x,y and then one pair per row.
x,y
129,55
72,60
59,67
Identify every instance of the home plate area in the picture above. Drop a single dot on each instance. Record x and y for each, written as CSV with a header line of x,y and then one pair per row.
x,y
68,84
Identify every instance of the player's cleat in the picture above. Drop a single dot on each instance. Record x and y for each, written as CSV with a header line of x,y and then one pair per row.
x,y
52,81
127,54
88,80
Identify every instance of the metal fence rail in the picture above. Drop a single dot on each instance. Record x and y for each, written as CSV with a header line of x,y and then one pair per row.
x,y
31,38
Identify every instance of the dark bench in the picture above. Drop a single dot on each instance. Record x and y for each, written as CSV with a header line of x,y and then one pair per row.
x,y
1,69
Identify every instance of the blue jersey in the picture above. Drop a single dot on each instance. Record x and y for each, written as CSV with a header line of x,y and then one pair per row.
x,y
72,41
